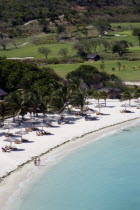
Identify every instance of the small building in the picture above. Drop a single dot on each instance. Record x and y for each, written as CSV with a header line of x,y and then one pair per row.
x,y
2,94
93,57
113,93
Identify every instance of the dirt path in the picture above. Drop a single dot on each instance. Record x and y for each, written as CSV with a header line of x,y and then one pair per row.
x,y
132,83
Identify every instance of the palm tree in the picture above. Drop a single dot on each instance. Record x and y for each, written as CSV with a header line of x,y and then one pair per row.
x,y
128,95
78,99
4,108
44,104
32,101
17,100
97,96
104,95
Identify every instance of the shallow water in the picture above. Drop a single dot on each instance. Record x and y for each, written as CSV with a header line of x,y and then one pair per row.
x,y
103,175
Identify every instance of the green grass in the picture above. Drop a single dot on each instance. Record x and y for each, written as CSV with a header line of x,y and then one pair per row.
x,y
31,50
131,72
126,25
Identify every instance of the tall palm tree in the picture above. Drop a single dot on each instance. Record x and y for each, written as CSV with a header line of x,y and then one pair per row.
x,y
128,95
97,96
17,100
104,95
78,98
4,110
32,101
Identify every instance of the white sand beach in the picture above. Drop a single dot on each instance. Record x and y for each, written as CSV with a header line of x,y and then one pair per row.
x,y
76,128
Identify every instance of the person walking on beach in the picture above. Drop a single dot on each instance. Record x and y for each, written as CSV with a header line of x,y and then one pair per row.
x,y
35,161
38,161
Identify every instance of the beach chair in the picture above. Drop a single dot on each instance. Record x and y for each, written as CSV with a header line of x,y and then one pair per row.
x,y
5,150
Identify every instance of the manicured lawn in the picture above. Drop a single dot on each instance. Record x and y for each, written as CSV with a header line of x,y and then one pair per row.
x,y
126,25
130,73
31,50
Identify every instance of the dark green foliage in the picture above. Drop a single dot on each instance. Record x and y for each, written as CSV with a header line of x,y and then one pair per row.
x,y
90,76
44,50
18,75
120,47
102,26
16,12
136,32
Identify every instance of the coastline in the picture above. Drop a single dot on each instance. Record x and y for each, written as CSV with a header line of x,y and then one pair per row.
x,y
14,184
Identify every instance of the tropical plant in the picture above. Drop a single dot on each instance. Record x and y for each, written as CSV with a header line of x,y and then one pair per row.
x,y
104,96
97,96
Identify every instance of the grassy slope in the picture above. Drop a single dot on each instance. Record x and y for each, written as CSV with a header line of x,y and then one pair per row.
x,y
31,50
131,72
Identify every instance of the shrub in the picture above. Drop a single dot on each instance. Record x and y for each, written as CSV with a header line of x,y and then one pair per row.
x,y
53,61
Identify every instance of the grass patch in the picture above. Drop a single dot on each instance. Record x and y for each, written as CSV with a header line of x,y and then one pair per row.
x,y
31,50
130,73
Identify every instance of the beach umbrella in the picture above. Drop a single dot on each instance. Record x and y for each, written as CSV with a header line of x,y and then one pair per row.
x,y
99,106
9,126
42,124
137,101
21,132
32,121
90,111
10,139
125,105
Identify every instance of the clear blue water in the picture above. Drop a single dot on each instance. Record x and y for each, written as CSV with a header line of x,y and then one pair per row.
x,y
103,175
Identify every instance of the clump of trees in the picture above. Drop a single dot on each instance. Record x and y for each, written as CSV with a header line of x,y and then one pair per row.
x,y
36,90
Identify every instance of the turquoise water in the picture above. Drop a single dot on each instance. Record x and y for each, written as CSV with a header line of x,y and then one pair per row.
x,y
103,175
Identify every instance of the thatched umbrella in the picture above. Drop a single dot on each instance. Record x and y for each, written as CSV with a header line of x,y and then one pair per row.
x,y
10,139
42,124
21,132
99,106
125,105
9,126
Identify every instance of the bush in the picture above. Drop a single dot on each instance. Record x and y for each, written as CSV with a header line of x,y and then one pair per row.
x,y
53,61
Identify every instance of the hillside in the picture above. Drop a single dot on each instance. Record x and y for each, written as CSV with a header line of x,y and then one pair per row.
x,y
17,12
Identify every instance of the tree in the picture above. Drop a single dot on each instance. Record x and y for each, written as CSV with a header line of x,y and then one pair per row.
x,y
102,66
120,47
78,99
44,24
102,26
83,48
4,43
17,99
128,95
61,29
44,50
4,107
104,95
106,44
136,32
63,52
97,96
119,65
35,40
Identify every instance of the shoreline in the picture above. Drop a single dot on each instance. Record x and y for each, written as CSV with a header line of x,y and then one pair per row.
x,y
60,145
11,181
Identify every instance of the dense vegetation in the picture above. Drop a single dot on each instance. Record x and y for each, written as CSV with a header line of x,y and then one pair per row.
x,y
36,90
16,12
